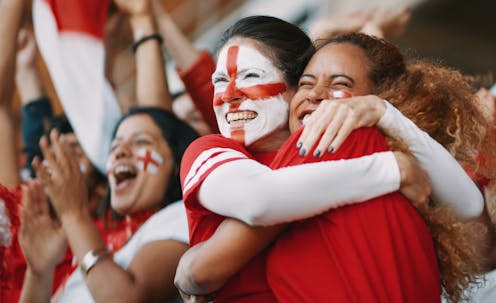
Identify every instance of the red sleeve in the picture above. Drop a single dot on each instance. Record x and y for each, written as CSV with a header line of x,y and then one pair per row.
x,y
361,142
202,157
198,83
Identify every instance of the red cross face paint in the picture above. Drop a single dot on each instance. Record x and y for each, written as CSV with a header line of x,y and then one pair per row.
x,y
149,160
248,100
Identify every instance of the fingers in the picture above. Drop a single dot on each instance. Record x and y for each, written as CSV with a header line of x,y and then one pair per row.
x,y
315,127
349,125
332,129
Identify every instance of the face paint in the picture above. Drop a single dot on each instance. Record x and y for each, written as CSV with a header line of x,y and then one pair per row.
x,y
248,100
149,160
341,94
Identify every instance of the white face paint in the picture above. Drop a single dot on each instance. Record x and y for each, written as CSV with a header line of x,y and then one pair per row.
x,y
248,100
149,160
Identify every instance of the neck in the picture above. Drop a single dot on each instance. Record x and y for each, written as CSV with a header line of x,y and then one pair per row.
x,y
271,142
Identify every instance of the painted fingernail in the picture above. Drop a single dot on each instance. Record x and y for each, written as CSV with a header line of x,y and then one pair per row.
x,y
298,145
303,152
316,154
331,149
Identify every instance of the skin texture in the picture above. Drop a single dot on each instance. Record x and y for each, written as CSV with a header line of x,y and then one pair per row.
x,y
239,69
130,138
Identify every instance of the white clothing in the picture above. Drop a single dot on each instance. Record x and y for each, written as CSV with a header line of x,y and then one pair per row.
x,y
277,196
450,184
170,223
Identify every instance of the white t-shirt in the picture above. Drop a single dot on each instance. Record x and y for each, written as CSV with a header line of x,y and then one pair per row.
x,y
170,223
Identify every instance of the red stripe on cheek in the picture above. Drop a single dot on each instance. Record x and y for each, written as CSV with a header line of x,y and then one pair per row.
x,y
263,91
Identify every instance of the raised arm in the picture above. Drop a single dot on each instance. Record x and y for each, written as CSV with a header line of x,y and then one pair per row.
x,y
10,20
195,67
151,81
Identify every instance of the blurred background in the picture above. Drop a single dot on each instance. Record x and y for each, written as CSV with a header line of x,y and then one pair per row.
x,y
457,33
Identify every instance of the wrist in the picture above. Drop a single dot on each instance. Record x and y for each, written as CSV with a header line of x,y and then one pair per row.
x,y
142,25
74,217
40,274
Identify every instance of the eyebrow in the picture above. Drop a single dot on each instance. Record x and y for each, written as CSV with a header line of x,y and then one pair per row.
x,y
308,75
136,134
334,76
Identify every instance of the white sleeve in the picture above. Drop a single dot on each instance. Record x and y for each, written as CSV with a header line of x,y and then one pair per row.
x,y
255,194
450,184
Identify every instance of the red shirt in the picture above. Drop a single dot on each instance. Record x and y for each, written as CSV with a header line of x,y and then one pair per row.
x,y
198,83
201,158
376,251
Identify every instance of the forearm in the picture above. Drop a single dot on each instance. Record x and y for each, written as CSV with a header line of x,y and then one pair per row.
x,y
10,20
29,84
207,266
450,184
177,44
83,236
260,196
9,176
36,288
152,88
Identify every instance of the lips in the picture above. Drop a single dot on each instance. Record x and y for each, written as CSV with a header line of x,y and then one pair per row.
x,y
238,118
122,174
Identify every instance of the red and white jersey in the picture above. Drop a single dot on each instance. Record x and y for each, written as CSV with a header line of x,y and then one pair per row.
x,y
201,158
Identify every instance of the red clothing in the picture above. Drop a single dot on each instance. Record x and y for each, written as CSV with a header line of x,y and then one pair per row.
x,y
204,155
13,265
198,83
377,251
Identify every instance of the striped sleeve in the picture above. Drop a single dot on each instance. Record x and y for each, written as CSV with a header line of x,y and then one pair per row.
x,y
205,155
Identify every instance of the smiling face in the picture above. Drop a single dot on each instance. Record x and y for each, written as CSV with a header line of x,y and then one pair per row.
x,y
251,95
139,166
334,69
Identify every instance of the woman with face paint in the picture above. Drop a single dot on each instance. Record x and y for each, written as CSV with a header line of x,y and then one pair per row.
x,y
220,176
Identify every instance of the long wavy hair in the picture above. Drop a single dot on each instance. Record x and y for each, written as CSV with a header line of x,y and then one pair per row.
x,y
440,101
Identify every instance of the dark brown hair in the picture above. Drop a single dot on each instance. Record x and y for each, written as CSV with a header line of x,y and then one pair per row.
x,y
290,48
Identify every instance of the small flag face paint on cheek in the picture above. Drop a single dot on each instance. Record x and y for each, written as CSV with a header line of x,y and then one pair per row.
x,y
341,94
149,160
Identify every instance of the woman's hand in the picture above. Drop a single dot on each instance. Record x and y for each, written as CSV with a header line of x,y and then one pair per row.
x,y
41,237
415,184
134,7
61,175
335,119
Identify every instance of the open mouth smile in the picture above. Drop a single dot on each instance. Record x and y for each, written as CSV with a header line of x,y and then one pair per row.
x,y
238,118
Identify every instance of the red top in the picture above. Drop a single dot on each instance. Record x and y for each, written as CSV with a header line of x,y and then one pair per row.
x,y
200,159
198,83
13,265
377,251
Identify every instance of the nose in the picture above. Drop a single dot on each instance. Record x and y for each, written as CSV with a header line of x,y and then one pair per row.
x,y
232,93
318,93
123,150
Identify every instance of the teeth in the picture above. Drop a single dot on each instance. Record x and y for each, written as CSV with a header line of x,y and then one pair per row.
x,y
122,169
243,115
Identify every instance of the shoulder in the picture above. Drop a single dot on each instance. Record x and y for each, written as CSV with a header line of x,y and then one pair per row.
x,y
207,153
170,223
